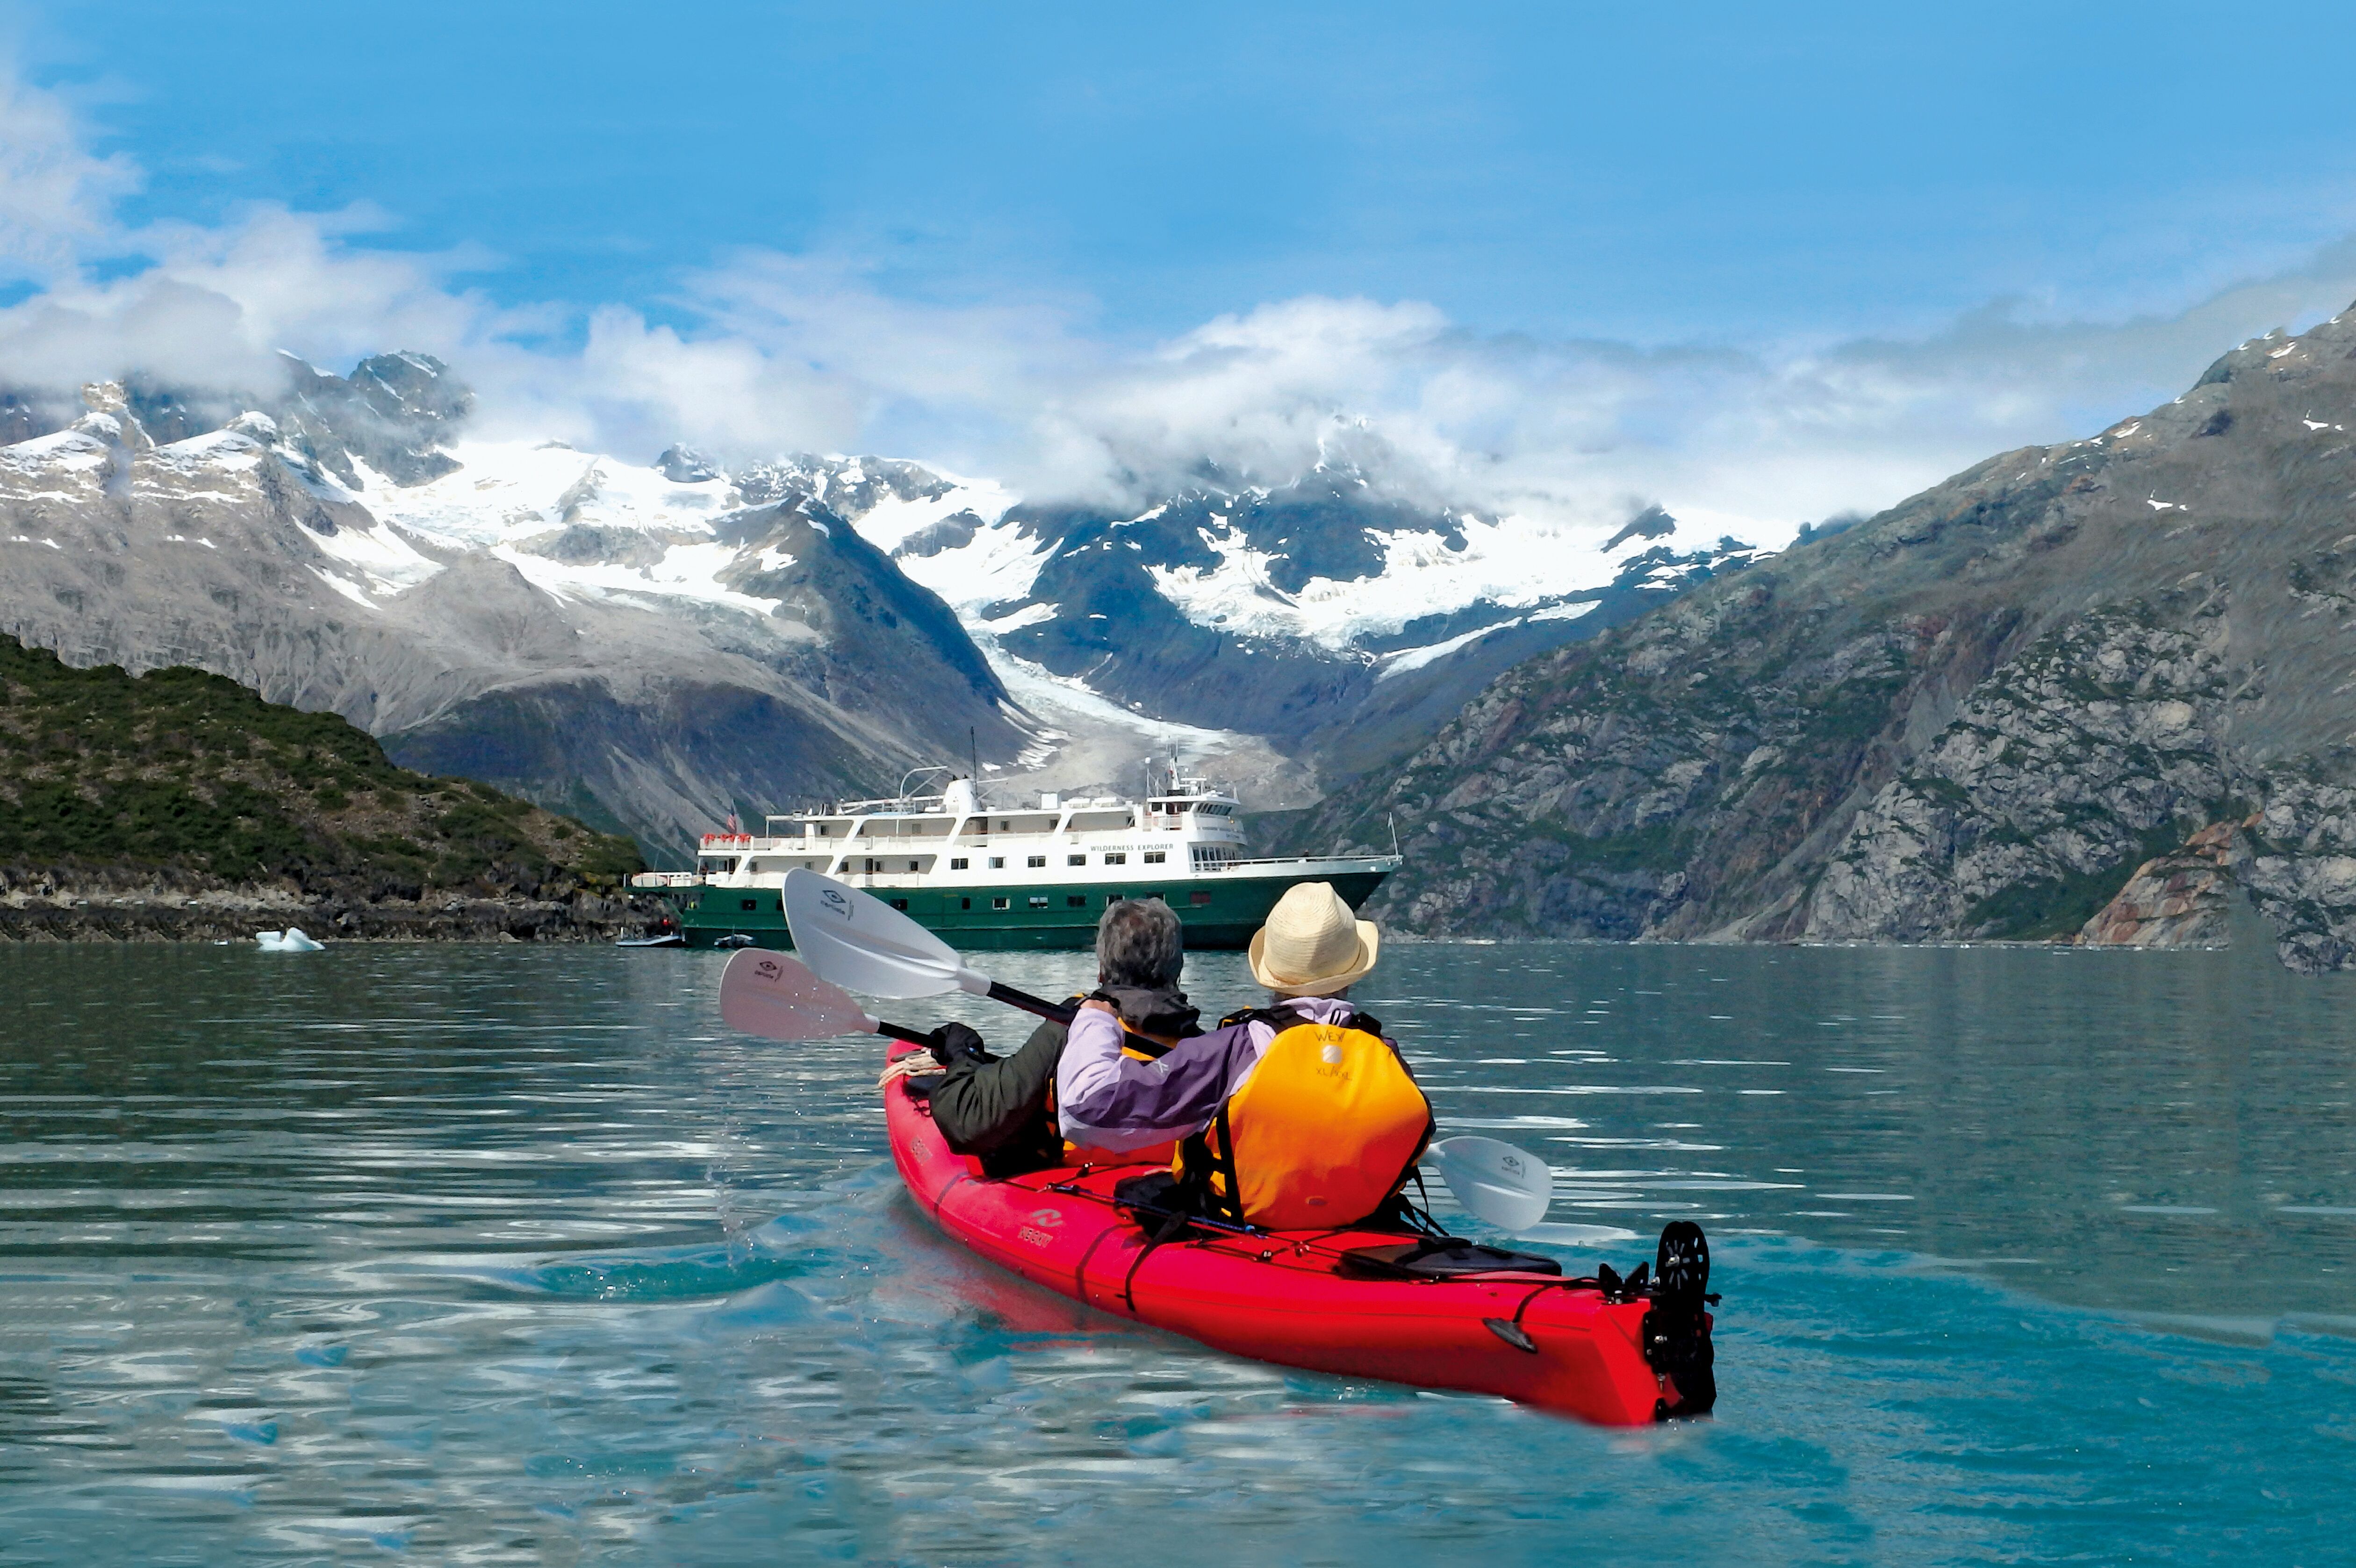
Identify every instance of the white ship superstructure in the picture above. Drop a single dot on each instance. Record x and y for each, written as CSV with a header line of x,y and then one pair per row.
x,y
1008,874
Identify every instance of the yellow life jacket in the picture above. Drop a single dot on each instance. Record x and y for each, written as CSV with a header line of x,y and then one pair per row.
x,y
1320,1137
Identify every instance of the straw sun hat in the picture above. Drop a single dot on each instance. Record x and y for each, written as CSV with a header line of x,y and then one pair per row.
x,y
1313,945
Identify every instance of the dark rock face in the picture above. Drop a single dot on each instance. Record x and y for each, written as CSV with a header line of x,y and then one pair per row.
x,y
26,413
874,656
2298,862
1973,715
2079,757
685,465
1652,523
848,490
393,412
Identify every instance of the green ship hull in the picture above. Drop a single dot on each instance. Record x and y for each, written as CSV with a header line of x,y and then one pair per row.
x,y
1218,913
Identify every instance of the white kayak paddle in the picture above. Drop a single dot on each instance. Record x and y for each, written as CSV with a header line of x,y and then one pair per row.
x,y
770,995
1495,1181
855,939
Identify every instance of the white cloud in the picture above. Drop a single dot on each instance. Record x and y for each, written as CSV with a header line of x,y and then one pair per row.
x,y
56,198
811,352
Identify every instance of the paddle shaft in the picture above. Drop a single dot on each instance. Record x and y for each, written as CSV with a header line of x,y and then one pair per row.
x,y
1063,1013
905,1036
1038,1006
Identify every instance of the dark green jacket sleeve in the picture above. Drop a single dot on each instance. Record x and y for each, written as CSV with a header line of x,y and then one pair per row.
x,y
982,1108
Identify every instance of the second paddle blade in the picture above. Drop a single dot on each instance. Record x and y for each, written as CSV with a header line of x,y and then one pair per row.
x,y
856,940
770,995
1495,1181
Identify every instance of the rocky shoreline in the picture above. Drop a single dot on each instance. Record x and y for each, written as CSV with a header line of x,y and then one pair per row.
x,y
161,907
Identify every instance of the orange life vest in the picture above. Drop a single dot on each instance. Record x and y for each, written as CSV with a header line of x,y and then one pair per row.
x,y
1320,1137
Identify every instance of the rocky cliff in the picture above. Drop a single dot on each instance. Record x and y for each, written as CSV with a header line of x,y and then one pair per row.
x,y
1977,715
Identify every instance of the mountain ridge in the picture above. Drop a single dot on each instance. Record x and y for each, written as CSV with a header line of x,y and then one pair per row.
x,y
1963,718
243,549
662,647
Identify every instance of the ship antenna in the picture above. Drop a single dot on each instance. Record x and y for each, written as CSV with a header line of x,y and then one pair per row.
x,y
973,756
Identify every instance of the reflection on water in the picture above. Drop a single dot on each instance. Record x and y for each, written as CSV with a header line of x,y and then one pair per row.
x,y
519,1256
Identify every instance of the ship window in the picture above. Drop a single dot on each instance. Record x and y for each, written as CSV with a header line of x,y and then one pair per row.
x,y
1116,858
903,904
1038,902
748,904
1075,900
1111,899
956,863
1191,898
874,865
1004,825
998,863
999,903
1076,859
1155,856
915,865
965,903
1037,861
1156,895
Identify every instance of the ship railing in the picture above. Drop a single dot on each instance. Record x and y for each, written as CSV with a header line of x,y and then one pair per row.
x,y
1207,866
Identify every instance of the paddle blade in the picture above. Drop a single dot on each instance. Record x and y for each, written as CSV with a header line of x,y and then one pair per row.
x,y
858,941
1495,1181
769,994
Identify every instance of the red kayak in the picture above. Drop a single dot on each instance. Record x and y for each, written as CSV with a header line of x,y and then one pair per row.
x,y
1299,1299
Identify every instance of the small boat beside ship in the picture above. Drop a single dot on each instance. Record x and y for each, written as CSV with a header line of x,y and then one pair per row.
x,y
989,875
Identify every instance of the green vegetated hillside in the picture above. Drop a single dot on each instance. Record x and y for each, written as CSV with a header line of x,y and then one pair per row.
x,y
1991,711
185,772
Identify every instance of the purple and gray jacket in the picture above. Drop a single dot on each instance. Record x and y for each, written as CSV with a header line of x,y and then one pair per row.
x,y
1108,1101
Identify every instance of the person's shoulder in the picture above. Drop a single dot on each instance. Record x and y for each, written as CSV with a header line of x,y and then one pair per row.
x,y
1231,1032
1048,1031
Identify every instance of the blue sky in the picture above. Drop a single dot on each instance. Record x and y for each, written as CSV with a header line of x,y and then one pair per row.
x,y
2047,216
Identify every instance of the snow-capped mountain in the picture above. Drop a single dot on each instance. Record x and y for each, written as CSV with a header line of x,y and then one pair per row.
x,y
664,643
1321,615
649,653
1336,622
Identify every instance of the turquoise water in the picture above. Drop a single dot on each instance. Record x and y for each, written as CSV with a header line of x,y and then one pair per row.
x,y
505,1255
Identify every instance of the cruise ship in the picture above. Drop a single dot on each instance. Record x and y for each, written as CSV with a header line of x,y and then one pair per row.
x,y
994,876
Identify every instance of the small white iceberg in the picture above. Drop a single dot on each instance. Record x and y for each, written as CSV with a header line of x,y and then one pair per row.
x,y
290,940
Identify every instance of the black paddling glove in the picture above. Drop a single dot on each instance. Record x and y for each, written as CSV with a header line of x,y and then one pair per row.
x,y
953,1043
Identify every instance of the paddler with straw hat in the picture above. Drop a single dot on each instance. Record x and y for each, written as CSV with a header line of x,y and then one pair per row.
x,y
1314,944
1299,1114
1113,1105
